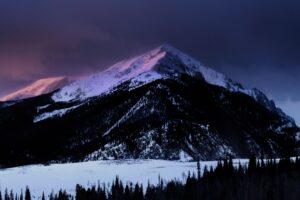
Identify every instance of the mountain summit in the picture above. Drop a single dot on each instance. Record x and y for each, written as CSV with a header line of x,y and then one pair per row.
x,y
159,105
164,61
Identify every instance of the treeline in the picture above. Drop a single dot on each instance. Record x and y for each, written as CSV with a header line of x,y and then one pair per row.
x,y
260,180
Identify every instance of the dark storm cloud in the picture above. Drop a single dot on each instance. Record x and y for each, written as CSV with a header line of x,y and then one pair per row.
x,y
255,42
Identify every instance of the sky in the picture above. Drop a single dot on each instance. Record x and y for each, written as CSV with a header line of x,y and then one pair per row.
x,y
254,42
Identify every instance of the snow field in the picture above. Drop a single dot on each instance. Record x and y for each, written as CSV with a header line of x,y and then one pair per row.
x,y
54,177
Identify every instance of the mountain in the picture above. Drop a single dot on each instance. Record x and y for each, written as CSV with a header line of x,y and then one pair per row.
x,y
39,87
159,105
161,63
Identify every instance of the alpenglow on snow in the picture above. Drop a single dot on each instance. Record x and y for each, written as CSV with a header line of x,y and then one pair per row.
x,y
163,62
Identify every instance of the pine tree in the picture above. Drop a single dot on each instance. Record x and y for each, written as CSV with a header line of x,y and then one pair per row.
x,y
51,197
252,164
21,195
6,196
11,195
43,196
198,169
127,193
27,194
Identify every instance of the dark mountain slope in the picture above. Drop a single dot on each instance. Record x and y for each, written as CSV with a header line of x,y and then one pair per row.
x,y
162,104
166,119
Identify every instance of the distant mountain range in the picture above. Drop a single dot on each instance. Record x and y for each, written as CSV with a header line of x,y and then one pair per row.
x,y
160,105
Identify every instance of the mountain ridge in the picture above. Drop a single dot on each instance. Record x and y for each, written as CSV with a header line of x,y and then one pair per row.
x,y
38,87
151,66
154,64
171,107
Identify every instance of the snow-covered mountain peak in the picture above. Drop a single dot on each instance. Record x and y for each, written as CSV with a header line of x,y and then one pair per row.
x,y
163,56
164,61
39,87
169,48
137,65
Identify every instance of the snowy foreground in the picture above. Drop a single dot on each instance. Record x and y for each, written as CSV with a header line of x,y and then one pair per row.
x,y
53,177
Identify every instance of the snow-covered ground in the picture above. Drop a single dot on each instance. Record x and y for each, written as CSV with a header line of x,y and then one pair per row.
x,y
53,177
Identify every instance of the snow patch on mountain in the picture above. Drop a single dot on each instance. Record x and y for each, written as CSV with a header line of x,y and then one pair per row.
x,y
103,82
146,143
253,146
40,108
298,136
7,104
130,112
280,129
108,152
184,157
39,87
145,78
55,113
